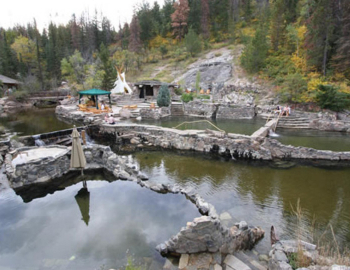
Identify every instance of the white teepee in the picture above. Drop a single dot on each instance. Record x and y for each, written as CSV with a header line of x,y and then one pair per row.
x,y
121,86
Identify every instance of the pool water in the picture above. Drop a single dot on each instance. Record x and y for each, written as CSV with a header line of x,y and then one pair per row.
x,y
33,121
317,139
100,227
239,126
260,194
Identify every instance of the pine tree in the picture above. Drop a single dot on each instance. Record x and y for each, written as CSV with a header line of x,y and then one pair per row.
x,y
194,15
192,42
342,57
277,24
8,61
163,98
254,55
110,74
166,11
320,36
144,15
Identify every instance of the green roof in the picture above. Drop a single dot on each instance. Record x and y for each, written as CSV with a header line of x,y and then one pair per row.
x,y
94,92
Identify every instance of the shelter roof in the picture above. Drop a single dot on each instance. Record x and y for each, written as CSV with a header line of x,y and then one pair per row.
x,y
8,80
151,83
94,92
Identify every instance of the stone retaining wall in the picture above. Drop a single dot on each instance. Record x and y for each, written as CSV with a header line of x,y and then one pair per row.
x,y
200,109
235,112
229,145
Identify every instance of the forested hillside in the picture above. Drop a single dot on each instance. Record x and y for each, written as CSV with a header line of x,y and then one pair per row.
x,y
297,45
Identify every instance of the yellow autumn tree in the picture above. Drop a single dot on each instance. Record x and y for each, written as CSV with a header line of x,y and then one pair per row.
x,y
25,50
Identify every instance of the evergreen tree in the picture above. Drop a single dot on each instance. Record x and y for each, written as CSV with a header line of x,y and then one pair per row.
x,y
144,15
38,56
194,15
192,42
342,57
110,73
320,36
163,98
125,36
8,61
254,55
277,24
166,11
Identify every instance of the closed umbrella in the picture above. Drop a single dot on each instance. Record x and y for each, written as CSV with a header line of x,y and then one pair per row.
x,y
77,159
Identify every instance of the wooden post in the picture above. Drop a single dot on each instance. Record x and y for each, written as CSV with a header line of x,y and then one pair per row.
x,y
83,136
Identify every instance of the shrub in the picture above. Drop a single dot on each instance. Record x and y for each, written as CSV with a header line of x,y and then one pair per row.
x,y
187,97
178,91
329,97
163,98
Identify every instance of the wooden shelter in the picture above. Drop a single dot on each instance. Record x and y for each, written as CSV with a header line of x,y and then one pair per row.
x,y
150,89
9,83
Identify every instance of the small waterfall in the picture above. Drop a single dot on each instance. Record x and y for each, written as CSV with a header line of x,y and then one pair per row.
x,y
273,134
38,141
89,141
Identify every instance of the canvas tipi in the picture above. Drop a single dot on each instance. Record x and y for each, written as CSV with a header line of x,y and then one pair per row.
x,y
120,85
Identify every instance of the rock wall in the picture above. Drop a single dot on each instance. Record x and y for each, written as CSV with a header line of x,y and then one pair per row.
x,y
218,111
38,170
235,112
158,113
200,109
207,234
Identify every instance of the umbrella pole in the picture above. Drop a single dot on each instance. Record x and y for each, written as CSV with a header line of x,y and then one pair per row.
x,y
82,171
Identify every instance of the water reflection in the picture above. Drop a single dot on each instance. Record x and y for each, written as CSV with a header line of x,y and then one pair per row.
x,y
127,220
261,195
83,200
33,121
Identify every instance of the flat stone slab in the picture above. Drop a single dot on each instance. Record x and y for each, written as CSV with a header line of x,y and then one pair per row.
x,y
233,263
39,153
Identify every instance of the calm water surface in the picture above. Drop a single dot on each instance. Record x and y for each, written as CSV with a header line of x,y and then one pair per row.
x,y
323,140
123,220
261,195
33,121
240,126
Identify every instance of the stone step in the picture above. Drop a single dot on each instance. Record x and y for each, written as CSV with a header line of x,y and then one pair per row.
x,y
233,263
251,260
293,125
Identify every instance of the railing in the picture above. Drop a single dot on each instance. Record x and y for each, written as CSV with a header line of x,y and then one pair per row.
x,y
200,121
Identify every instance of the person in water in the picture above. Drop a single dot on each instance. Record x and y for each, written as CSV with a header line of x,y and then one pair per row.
x,y
111,120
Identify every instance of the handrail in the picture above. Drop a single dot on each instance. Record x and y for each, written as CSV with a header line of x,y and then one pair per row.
x,y
278,118
268,118
199,121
